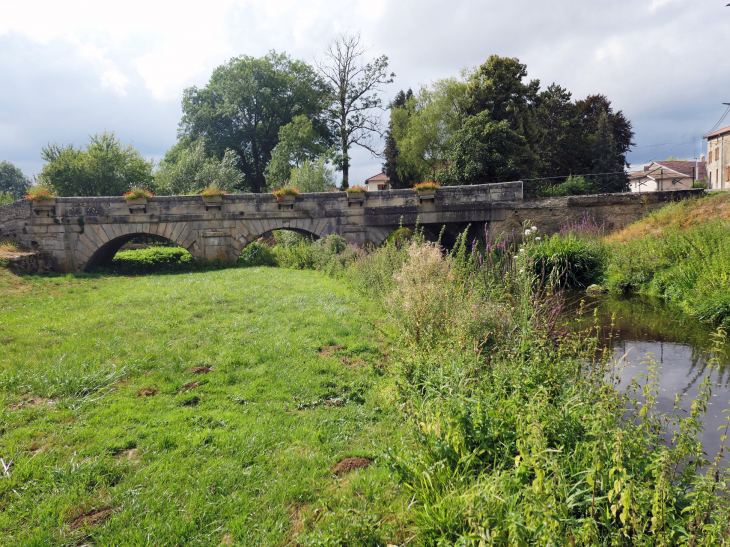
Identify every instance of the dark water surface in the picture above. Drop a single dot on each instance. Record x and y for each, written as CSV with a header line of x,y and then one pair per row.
x,y
646,330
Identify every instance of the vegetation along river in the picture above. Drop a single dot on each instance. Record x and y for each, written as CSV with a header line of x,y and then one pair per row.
x,y
645,330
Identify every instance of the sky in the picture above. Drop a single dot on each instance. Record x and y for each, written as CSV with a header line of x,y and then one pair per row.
x,y
74,68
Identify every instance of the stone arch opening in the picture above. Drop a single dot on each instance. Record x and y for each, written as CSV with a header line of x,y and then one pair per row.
x,y
104,255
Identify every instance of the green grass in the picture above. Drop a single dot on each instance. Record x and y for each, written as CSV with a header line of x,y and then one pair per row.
x,y
245,458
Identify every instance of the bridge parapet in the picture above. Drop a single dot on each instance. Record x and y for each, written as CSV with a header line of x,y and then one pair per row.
x,y
83,232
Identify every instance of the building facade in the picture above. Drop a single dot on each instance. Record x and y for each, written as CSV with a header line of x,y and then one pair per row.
x,y
718,159
378,182
660,176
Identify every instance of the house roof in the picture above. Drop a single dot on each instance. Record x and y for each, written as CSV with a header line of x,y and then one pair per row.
x,y
380,177
717,133
684,168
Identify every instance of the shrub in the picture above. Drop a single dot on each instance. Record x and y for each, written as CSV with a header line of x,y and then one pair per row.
x,y
6,197
426,186
212,192
138,193
356,189
573,186
578,261
285,191
40,194
257,254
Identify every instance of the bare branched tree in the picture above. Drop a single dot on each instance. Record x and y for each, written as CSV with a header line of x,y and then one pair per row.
x,y
355,85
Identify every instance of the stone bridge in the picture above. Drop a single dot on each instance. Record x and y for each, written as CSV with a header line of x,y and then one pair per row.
x,y
80,233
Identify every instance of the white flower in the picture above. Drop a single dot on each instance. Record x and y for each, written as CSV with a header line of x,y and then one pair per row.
x,y
527,232
537,239
516,257
522,271
522,250
534,228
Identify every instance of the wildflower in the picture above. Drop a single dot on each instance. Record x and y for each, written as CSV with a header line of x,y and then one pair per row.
x,y
537,238
522,249
516,257
527,232
534,228
522,271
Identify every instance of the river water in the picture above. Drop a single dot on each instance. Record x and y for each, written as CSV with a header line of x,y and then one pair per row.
x,y
646,329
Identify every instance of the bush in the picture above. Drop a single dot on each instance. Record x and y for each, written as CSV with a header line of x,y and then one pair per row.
x,y
573,186
577,261
257,254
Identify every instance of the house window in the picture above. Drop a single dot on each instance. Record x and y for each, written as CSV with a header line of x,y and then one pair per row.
x,y
381,187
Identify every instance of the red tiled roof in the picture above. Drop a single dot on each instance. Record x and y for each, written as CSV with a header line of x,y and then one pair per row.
x,y
682,167
380,177
685,167
718,132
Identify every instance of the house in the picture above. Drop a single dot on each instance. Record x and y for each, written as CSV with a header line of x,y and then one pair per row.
x,y
378,182
718,159
667,175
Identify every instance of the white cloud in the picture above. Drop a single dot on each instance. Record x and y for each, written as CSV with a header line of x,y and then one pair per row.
x,y
80,66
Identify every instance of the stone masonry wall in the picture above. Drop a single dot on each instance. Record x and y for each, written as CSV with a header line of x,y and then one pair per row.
x,y
81,232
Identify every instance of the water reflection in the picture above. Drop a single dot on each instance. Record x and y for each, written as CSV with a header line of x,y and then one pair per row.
x,y
643,329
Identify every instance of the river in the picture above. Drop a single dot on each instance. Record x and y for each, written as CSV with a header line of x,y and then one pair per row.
x,y
647,329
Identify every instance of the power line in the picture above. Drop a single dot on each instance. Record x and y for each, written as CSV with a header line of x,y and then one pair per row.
x,y
720,120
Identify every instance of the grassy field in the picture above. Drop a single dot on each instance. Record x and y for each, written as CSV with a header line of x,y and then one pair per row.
x,y
206,408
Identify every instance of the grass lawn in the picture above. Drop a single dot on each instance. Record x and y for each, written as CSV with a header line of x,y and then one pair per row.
x,y
205,408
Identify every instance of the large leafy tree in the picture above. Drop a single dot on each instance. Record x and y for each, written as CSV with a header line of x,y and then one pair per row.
x,y
13,182
391,152
591,111
486,151
608,163
194,170
104,167
560,120
499,87
245,104
425,128
354,86
299,141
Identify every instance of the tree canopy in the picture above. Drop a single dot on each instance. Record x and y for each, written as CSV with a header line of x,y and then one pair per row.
x,y
245,104
299,141
12,180
494,124
103,168
194,170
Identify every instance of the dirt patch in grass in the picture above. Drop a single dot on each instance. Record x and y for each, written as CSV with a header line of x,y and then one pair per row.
x,y
7,340
192,385
350,464
227,541
93,518
352,362
131,455
31,401
329,351
148,392
199,370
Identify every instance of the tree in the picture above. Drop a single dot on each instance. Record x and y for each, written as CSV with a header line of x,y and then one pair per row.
x,y
561,124
354,88
425,128
497,87
591,110
313,176
486,151
245,104
391,152
606,159
103,168
12,180
195,170
299,141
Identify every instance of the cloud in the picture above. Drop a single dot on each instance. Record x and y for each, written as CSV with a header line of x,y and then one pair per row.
x,y
78,67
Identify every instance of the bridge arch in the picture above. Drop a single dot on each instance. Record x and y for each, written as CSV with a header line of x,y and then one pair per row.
x,y
97,244
246,232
